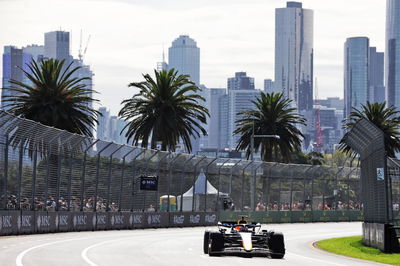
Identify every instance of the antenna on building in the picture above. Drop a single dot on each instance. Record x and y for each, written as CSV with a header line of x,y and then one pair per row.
x,y
80,48
163,53
82,54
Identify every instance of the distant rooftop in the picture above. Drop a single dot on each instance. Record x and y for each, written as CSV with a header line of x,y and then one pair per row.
x,y
294,4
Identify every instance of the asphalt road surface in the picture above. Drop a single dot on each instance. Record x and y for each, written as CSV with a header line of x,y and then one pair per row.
x,y
166,247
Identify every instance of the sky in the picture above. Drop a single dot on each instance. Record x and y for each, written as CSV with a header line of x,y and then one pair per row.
x,y
128,36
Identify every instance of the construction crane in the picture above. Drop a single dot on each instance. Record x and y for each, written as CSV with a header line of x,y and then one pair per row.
x,y
80,54
319,140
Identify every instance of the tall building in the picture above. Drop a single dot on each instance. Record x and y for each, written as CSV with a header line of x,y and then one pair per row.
x,y
223,126
215,119
162,65
36,51
376,77
241,82
184,56
238,101
392,63
56,45
14,63
103,127
356,73
294,54
269,86
241,93
110,127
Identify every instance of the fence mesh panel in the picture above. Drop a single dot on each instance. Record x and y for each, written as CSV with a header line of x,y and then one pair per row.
x,y
43,168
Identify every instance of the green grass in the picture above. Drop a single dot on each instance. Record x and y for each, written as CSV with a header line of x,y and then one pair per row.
x,y
352,247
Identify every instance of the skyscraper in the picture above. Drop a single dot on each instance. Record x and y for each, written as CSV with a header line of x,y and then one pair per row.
x,y
269,86
376,83
214,128
294,54
392,64
36,51
356,73
14,62
241,82
56,45
241,93
184,56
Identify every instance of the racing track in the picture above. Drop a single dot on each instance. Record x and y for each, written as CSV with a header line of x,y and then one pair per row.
x,y
165,247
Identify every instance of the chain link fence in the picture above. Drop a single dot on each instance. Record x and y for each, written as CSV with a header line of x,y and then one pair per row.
x,y
46,169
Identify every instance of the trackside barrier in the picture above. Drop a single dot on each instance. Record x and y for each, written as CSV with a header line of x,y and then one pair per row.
x,y
31,222
294,216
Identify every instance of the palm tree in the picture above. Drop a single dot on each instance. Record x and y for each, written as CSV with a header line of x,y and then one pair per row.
x,y
53,97
166,109
385,118
272,115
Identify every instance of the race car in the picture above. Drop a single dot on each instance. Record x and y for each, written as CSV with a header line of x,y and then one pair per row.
x,y
240,238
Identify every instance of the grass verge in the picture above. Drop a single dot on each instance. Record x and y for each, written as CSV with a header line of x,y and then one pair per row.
x,y
353,247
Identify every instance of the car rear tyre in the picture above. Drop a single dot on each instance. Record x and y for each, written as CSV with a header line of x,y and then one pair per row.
x,y
276,245
205,242
215,244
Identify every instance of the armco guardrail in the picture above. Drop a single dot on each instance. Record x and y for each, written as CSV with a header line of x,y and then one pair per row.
x,y
31,222
295,216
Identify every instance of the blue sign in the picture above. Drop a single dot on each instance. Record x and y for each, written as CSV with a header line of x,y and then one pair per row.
x,y
149,183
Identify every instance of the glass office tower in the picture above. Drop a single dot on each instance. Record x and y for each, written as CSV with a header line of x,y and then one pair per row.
x,y
356,73
392,64
294,54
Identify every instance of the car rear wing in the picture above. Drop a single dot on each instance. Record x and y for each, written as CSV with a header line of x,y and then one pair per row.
x,y
231,224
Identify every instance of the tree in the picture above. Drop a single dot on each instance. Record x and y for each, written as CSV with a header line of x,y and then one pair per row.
x,y
315,158
272,115
165,110
385,118
54,97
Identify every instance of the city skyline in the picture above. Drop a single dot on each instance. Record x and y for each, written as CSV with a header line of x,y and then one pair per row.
x,y
238,38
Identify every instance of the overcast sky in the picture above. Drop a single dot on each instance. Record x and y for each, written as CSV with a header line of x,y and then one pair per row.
x,y
127,36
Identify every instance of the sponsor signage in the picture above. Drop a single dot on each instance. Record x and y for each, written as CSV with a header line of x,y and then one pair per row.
x,y
149,183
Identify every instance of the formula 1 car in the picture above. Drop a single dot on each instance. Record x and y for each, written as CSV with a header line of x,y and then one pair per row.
x,y
233,238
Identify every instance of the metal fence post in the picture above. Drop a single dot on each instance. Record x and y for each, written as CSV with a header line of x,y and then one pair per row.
x,y
304,188
109,177
34,181
205,184
20,162
6,172
83,177
147,172
59,170
255,187
219,182
49,153
158,174
194,182
169,178
133,177
98,175
188,160
70,174
122,178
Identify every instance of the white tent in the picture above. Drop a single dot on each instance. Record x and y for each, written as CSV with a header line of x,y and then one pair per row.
x,y
200,187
